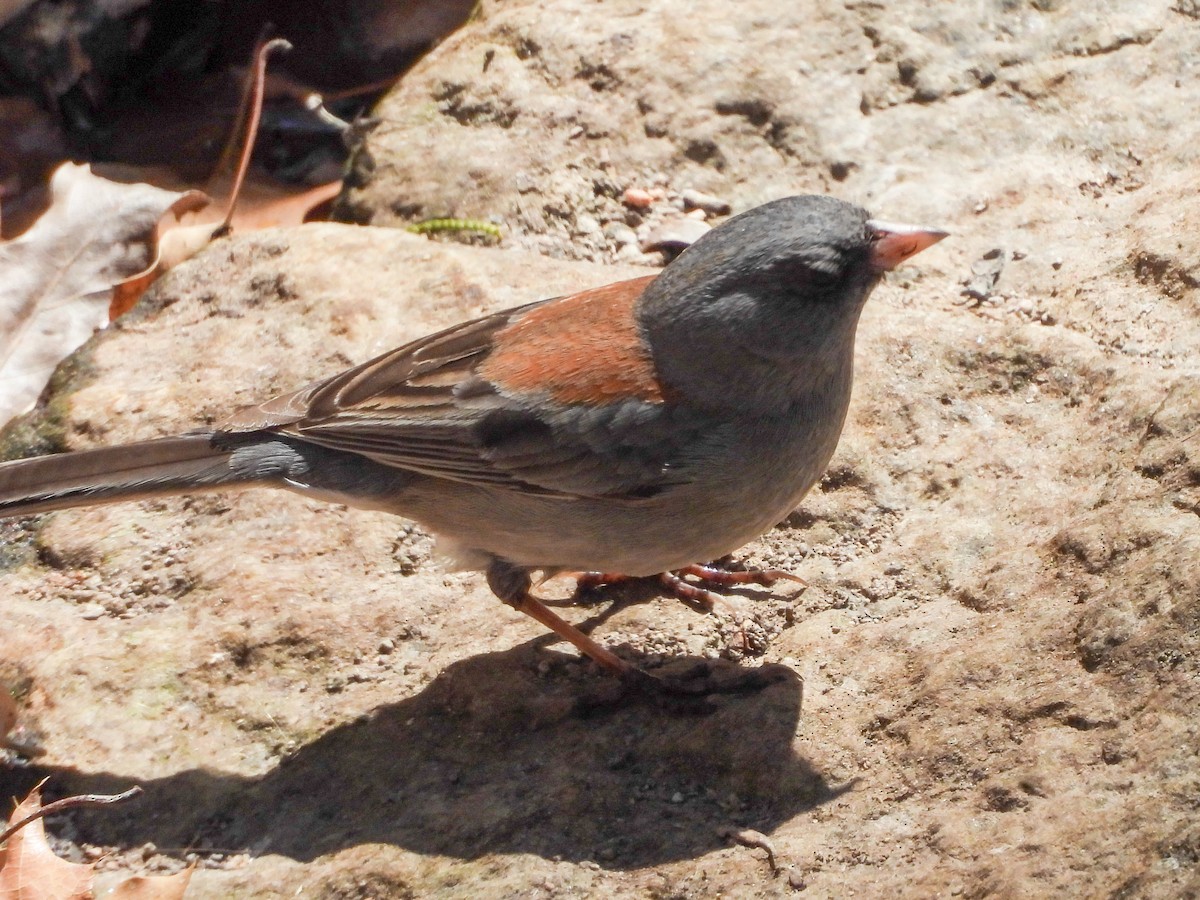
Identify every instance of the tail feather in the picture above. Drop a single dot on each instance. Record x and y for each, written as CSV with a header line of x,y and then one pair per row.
x,y
171,465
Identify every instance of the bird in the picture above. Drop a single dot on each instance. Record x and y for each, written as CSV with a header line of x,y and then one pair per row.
x,y
634,429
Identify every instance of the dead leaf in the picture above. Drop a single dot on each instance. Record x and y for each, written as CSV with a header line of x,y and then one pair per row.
x,y
273,205
101,244
172,245
56,279
29,869
246,203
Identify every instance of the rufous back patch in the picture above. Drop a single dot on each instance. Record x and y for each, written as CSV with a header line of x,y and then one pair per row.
x,y
585,348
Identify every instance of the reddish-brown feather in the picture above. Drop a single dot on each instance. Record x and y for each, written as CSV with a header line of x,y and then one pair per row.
x,y
585,348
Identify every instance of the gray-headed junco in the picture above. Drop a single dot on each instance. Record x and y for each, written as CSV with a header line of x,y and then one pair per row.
x,y
637,428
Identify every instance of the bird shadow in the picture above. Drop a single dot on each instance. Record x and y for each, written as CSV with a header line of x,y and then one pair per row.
x,y
501,753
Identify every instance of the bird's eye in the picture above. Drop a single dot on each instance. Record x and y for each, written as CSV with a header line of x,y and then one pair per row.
x,y
819,277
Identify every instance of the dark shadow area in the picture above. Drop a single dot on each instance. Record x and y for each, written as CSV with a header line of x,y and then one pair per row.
x,y
490,757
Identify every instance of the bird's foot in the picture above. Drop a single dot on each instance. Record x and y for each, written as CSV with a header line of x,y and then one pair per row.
x,y
715,573
719,576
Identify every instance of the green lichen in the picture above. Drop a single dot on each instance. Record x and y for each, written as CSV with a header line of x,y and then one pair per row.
x,y
42,430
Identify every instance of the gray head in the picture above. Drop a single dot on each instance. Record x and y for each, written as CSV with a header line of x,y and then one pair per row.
x,y
771,298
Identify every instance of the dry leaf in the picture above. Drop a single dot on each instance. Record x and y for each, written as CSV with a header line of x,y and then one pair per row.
x,y
270,204
173,243
56,279
246,202
29,869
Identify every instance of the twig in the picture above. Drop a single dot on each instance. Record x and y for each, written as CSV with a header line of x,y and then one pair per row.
x,y
748,837
252,107
69,803
315,104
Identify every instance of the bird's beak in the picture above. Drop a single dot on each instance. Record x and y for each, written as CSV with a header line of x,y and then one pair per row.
x,y
892,243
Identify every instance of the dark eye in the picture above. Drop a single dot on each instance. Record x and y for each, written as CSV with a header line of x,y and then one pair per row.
x,y
818,278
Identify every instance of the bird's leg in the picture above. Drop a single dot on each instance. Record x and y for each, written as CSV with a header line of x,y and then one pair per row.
x,y
715,574
512,583
689,592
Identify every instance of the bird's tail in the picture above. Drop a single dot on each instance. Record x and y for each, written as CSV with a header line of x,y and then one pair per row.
x,y
171,465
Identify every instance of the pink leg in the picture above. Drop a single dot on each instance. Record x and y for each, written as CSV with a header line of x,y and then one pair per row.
x,y
685,590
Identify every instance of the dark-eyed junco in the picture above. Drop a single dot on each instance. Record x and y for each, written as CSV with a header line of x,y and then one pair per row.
x,y
637,428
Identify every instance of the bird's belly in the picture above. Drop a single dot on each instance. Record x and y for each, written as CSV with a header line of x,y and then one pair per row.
x,y
701,521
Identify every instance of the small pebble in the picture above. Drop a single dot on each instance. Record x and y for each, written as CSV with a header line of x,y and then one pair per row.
x,y
675,234
620,233
637,198
386,646
714,206
586,224
631,253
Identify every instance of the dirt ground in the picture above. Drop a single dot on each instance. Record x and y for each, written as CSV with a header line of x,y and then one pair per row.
x,y
990,685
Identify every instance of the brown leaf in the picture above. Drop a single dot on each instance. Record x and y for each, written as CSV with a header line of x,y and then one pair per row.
x,y
245,201
172,243
56,279
269,204
29,870
189,225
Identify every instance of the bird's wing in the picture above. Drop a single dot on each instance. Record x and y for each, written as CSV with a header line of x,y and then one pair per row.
x,y
556,397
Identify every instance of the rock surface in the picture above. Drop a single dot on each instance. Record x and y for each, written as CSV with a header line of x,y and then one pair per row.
x,y
1000,644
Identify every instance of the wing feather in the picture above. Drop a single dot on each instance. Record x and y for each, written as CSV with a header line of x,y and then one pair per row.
x,y
426,408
